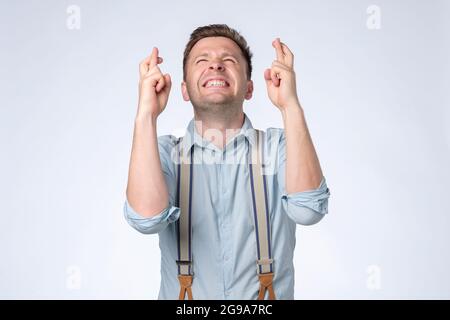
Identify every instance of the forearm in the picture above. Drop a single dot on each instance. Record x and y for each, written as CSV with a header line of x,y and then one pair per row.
x,y
146,190
303,170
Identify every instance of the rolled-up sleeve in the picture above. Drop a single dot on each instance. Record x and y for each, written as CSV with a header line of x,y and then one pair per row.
x,y
306,207
150,225
171,213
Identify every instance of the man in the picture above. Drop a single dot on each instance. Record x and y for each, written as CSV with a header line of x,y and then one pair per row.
x,y
217,79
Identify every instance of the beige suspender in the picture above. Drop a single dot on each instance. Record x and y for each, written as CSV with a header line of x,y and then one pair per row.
x,y
260,215
261,219
184,229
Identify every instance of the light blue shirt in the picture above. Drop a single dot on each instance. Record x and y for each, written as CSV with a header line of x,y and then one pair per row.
x,y
223,238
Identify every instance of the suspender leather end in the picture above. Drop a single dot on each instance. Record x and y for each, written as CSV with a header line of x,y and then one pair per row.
x,y
265,283
185,286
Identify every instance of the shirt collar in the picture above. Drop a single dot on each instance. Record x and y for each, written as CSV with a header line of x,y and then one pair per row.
x,y
193,137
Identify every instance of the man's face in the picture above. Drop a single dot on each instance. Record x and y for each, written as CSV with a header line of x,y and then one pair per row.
x,y
216,75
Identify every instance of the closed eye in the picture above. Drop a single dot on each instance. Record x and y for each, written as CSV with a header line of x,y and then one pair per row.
x,y
200,60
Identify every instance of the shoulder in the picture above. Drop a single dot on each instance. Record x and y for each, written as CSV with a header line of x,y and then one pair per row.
x,y
168,139
168,145
274,135
274,149
167,142
274,139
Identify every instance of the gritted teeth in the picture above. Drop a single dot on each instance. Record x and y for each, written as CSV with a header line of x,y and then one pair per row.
x,y
216,83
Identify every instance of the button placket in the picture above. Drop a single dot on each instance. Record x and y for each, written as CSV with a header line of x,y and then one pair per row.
x,y
227,258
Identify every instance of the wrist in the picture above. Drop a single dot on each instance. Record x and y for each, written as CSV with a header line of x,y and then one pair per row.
x,y
293,109
146,118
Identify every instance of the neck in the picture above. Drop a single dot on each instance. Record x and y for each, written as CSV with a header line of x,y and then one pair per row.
x,y
219,129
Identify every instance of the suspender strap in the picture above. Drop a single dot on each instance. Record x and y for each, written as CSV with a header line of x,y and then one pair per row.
x,y
184,233
261,218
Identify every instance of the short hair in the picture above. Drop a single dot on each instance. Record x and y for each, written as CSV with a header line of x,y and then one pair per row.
x,y
218,30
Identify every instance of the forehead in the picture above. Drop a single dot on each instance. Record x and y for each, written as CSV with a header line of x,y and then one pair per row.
x,y
215,45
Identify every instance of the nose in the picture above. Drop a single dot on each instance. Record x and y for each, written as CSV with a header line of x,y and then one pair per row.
x,y
217,66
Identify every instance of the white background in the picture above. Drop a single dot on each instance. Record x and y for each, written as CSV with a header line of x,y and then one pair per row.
x,y
376,101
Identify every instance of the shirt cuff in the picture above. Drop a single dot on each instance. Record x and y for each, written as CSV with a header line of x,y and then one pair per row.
x,y
316,199
154,224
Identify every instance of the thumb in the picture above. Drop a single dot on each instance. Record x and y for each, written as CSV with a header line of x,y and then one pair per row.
x,y
267,77
168,81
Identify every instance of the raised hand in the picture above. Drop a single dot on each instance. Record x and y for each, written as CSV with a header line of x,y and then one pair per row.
x,y
280,78
154,87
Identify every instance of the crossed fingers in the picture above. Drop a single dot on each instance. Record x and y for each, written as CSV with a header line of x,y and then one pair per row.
x,y
284,54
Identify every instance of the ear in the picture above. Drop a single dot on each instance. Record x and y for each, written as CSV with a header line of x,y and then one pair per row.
x,y
184,91
249,93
